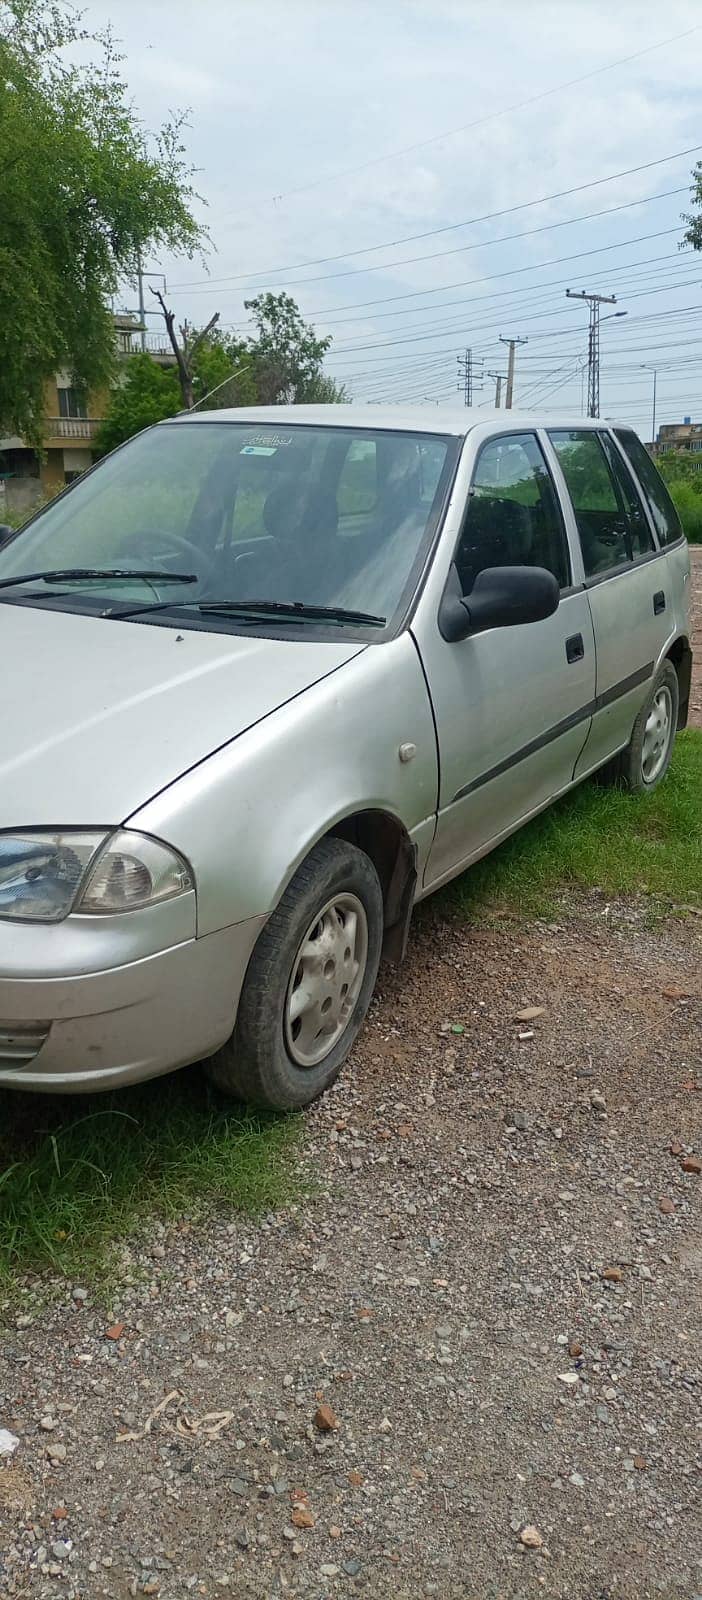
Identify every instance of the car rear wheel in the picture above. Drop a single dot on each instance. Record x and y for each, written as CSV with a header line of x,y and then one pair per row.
x,y
647,757
309,983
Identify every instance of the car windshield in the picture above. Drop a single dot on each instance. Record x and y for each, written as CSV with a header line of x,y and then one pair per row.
x,y
321,516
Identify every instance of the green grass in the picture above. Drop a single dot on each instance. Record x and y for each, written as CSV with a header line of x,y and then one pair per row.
x,y
78,1175
602,838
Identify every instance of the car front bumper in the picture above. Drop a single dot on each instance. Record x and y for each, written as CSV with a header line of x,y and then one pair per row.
x,y
76,1031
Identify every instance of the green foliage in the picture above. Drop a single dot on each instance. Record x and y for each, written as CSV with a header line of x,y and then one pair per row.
x,y
76,1176
146,394
223,373
606,839
688,500
684,482
677,465
287,356
83,192
693,235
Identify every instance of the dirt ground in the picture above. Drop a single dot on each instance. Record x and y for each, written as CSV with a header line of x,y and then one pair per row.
x,y
495,1288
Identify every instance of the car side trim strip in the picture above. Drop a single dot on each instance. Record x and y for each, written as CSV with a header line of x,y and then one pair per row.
x,y
583,714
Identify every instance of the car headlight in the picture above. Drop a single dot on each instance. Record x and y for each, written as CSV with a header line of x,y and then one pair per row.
x,y
44,876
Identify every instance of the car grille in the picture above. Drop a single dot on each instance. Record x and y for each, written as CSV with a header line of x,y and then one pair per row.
x,y
20,1042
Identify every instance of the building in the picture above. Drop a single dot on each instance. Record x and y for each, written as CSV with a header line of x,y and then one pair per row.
x,y
685,436
71,420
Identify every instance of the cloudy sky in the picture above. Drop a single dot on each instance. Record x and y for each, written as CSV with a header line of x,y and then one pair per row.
x,y
325,130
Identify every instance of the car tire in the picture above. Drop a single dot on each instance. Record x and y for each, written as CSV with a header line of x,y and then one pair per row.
x,y
647,757
308,985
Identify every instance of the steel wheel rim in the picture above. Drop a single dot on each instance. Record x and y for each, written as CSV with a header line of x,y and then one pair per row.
x,y
657,734
326,980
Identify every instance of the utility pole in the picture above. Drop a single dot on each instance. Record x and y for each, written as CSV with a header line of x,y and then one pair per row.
x,y
499,380
142,307
467,376
593,343
654,370
511,345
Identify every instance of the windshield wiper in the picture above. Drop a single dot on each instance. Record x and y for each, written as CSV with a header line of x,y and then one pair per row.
x,y
296,610
79,574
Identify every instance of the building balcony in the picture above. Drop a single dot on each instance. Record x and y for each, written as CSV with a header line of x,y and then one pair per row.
x,y
70,428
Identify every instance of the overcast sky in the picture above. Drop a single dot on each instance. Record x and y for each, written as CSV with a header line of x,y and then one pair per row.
x,y
298,109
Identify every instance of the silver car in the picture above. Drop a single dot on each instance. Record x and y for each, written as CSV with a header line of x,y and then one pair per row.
x,y
269,677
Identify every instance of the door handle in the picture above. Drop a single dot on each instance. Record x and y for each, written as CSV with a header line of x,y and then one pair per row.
x,y
658,602
575,649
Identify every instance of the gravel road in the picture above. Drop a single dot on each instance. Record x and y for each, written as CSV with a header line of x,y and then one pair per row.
x,y
468,1366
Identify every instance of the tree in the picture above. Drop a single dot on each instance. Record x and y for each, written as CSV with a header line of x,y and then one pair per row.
x,y
693,235
678,466
147,394
224,373
186,352
83,195
287,354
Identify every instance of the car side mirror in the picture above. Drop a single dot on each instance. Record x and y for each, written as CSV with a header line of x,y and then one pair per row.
x,y
501,597
6,533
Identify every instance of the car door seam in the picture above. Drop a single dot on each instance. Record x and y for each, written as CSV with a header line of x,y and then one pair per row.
x,y
599,703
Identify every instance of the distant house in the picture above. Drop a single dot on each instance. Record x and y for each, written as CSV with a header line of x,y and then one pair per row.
x,y
685,436
71,420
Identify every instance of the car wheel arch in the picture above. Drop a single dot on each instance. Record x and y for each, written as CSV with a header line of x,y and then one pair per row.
x,y
385,840
680,655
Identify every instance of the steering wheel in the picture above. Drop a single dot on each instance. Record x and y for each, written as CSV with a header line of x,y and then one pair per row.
x,y
197,559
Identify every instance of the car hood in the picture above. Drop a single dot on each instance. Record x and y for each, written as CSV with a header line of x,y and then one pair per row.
x,y
97,716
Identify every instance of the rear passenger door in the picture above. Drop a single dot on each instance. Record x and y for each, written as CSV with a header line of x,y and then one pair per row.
x,y
624,581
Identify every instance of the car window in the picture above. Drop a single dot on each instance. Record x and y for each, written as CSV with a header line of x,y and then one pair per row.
x,y
252,511
513,517
600,513
667,522
639,526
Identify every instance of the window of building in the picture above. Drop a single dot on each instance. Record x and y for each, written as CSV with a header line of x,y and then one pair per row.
x,y
513,517
71,403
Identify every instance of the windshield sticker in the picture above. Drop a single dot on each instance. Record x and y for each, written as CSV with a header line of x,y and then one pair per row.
x,y
270,438
258,450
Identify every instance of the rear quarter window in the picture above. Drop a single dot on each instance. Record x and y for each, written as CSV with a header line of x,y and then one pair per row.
x,y
665,517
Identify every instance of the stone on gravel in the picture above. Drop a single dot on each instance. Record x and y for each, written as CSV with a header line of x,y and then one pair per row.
x,y
531,1538
666,1205
692,1164
325,1419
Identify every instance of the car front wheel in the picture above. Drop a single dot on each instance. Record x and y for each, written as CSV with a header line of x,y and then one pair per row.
x,y
309,983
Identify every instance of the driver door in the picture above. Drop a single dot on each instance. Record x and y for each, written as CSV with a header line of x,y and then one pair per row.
x,y
512,705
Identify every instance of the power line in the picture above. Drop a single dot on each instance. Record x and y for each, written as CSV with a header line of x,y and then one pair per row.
x,y
513,272
537,288
457,250
449,227
492,116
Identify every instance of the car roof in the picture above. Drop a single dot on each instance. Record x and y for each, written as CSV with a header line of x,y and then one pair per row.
x,y
406,418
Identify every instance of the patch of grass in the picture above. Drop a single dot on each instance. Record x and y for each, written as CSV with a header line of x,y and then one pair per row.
x,y
602,838
76,1175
